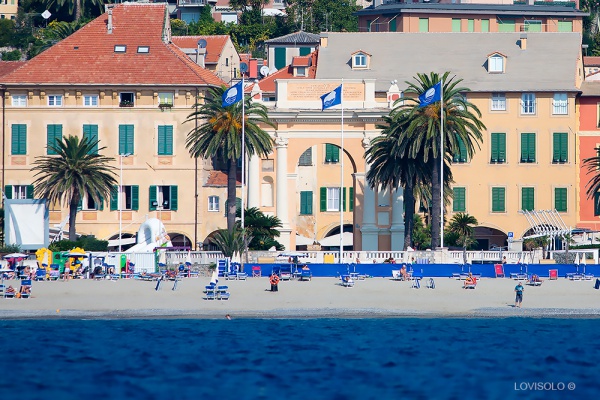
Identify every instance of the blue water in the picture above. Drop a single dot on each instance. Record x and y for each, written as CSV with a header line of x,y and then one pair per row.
x,y
409,358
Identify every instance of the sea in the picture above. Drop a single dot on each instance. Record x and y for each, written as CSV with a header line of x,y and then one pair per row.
x,y
323,358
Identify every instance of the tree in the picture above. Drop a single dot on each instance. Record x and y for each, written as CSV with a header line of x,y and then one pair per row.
x,y
322,15
262,229
74,171
593,169
462,225
76,8
229,242
251,10
462,125
220,136
421,233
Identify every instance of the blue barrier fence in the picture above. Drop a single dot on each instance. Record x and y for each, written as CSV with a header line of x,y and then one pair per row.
x,y
435,270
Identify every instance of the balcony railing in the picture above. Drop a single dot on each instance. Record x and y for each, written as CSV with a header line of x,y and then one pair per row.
x,y
193,3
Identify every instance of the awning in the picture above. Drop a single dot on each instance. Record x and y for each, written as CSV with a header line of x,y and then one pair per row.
x,y
334,240
124,241
273,12
303,241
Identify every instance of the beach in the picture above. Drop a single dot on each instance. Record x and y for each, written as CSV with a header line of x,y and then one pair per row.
x,y
319,297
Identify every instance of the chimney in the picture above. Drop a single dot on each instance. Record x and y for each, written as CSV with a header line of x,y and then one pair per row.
x,y
200,56
523,41
109,25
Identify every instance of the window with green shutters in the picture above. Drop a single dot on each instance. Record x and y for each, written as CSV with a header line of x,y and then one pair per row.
x,y
163,198
461,155
351,199
306,203
306,158
498,148
18,140
393,25
485,25
527,199
527,147
280,57
53,138
90,132
565,26
560,147
18,192
471,25
130,198
423,24
459,201
165,140
560,199
304,51
498,199
332,153
455,24
506,25
125,139
329,199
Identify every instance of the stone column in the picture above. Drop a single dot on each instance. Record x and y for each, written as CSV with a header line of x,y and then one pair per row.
x,y
254,182
281,194
397,228
369,229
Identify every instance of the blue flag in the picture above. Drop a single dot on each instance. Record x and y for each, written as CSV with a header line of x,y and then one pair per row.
x,y
332,98
431,95
233,94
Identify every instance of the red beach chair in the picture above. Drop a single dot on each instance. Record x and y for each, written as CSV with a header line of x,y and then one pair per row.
x,y
256,272
553,273
499,268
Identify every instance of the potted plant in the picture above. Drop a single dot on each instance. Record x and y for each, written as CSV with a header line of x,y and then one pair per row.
x,y
164,106
126,103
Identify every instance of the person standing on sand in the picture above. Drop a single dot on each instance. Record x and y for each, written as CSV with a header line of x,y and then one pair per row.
x,y
519,291
274,280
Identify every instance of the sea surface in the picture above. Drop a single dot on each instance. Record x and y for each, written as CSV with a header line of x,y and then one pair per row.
x,y
392,358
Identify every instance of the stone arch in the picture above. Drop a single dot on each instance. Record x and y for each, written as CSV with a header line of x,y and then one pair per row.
x,y
180,240
489,237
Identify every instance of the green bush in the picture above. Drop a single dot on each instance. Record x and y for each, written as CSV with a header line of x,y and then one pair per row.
x,y
88,243
14,55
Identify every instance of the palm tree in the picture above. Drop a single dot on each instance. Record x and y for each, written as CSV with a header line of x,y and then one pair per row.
x,y
262,229
75,170
76,7
462,225
462,124
220,136
229,242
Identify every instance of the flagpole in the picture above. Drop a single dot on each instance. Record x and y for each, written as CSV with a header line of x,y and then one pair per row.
x,y
243,172
342,177
442,154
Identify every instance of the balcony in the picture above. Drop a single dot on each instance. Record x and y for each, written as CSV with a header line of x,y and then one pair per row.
x,y
195,3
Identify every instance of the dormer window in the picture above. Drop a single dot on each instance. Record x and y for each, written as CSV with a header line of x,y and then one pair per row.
x,y
120,48
300,65
496,63
360,60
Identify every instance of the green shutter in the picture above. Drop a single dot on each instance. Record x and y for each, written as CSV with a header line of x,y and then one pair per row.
x,y
152,198
506,25
91,133
423,24
560,199
173,201
19,139
135,197
533,26
8,191
485,25
280,57
165,140
460,155
565,26
114,198
498,147
126,139
527,199
560,147
494,139
351,198
393,25
306,200
29,191
306,157
323,198
344,199
304,51
470,25
459,200
455,25
527,147
53,135
498,199
332,153
336,153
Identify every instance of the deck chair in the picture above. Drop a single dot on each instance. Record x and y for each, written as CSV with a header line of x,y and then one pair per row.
x,y
396,275
9,292
471,285
347,281
416,283
223,293
256,272
210,292
305,274
553,274
430,284
534,280
25,289
499,269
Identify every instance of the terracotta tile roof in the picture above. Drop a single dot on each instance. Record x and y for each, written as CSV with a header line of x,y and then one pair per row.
x,y
9,66
591,61
214,45
218,179
88,56
267,85
301,61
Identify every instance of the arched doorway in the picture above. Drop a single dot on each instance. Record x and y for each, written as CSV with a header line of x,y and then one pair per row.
x,y
489,238
180,240
331,241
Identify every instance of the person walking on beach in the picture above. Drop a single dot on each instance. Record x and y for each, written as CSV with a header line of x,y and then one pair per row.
x,y
519,291
274,280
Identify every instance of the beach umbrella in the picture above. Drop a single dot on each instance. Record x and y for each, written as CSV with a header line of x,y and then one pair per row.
x,y
188,262
45,259
2,271
162,258
583,262
15,255
576,262
215,277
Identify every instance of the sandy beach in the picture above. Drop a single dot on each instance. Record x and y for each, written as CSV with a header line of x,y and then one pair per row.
x,y
320,297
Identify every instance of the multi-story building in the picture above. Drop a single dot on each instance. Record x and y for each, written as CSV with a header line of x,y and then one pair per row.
x,y
8,9
121,81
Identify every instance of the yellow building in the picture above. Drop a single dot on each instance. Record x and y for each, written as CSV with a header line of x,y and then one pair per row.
x,y
8,9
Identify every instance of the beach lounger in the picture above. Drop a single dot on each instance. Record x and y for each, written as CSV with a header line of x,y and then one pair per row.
x,y
223,293
347,281
534,281
25,289
416,283
430,283
553,274
305,275
499,269
210,292
396,275
241,276
285,273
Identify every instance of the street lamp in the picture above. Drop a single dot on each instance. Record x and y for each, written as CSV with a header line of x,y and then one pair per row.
x,y
119,202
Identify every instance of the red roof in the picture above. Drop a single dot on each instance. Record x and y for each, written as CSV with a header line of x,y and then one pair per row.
x,y
88,56
218,179
591,61
214,45
267,85
9,66
301,61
